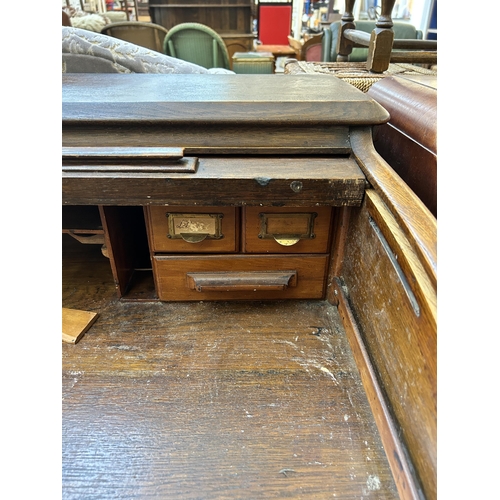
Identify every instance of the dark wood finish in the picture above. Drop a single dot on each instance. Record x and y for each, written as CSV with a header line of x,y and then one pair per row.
x,y
226,181
126,243
212,400
172,283
294,223
339,237
81,219
399,332
381,43
66,20
218,138
266,100
226,16
408,142
344,44
383,261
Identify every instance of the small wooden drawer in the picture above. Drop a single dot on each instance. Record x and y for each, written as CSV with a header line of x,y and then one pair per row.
x,y
286,230
239,277
193,229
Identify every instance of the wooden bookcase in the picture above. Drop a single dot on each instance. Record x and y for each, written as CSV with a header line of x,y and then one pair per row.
x,y
231,19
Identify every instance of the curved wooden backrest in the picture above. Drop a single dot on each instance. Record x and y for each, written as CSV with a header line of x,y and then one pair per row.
x,y
148,35
311,49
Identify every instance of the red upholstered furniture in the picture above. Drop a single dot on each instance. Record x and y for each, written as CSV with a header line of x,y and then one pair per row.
x,y
274,23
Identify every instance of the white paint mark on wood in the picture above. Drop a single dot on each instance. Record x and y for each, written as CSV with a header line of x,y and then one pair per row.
x,y
373,483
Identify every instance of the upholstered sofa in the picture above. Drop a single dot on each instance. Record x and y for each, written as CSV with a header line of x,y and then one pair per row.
x,y
401,30
85,51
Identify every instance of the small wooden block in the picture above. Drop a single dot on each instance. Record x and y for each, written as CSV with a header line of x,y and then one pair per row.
x,y
75,323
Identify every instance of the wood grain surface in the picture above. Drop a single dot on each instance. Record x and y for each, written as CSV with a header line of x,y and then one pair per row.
x,y
394,303
212,400
288,181
241,99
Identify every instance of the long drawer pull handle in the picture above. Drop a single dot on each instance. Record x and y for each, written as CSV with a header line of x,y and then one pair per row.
x,y
241,281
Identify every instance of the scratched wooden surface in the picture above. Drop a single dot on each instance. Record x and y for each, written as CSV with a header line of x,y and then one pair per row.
x,y
211,400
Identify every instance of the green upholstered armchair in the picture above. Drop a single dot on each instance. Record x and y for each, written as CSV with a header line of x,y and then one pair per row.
x,y
198,44
359,54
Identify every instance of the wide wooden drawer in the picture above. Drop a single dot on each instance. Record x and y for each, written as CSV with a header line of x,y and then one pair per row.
x,y
286,230
193,229
240,277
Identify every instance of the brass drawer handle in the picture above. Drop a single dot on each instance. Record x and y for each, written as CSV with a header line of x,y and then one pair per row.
x,y
193,238
287,229
194,228
241,281
287,241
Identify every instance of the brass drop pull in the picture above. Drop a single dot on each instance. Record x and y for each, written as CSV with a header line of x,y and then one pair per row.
x,y
286,241
193,238
287,229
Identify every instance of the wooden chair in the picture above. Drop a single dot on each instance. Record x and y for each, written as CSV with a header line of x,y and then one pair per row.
x,y
65,19
148,35
129,6
312,49
382,47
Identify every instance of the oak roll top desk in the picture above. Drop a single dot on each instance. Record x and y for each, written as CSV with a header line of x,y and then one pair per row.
x,y
204,150
243,187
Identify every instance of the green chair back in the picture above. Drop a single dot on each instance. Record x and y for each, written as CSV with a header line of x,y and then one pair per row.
x,y
197,44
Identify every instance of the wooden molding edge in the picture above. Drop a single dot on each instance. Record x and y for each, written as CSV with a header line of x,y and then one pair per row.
x,y
401,467
416,220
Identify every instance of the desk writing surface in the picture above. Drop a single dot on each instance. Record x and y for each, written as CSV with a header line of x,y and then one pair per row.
x,y
245,99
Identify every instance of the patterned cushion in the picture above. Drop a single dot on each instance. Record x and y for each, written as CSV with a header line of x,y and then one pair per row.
x,y
85,51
